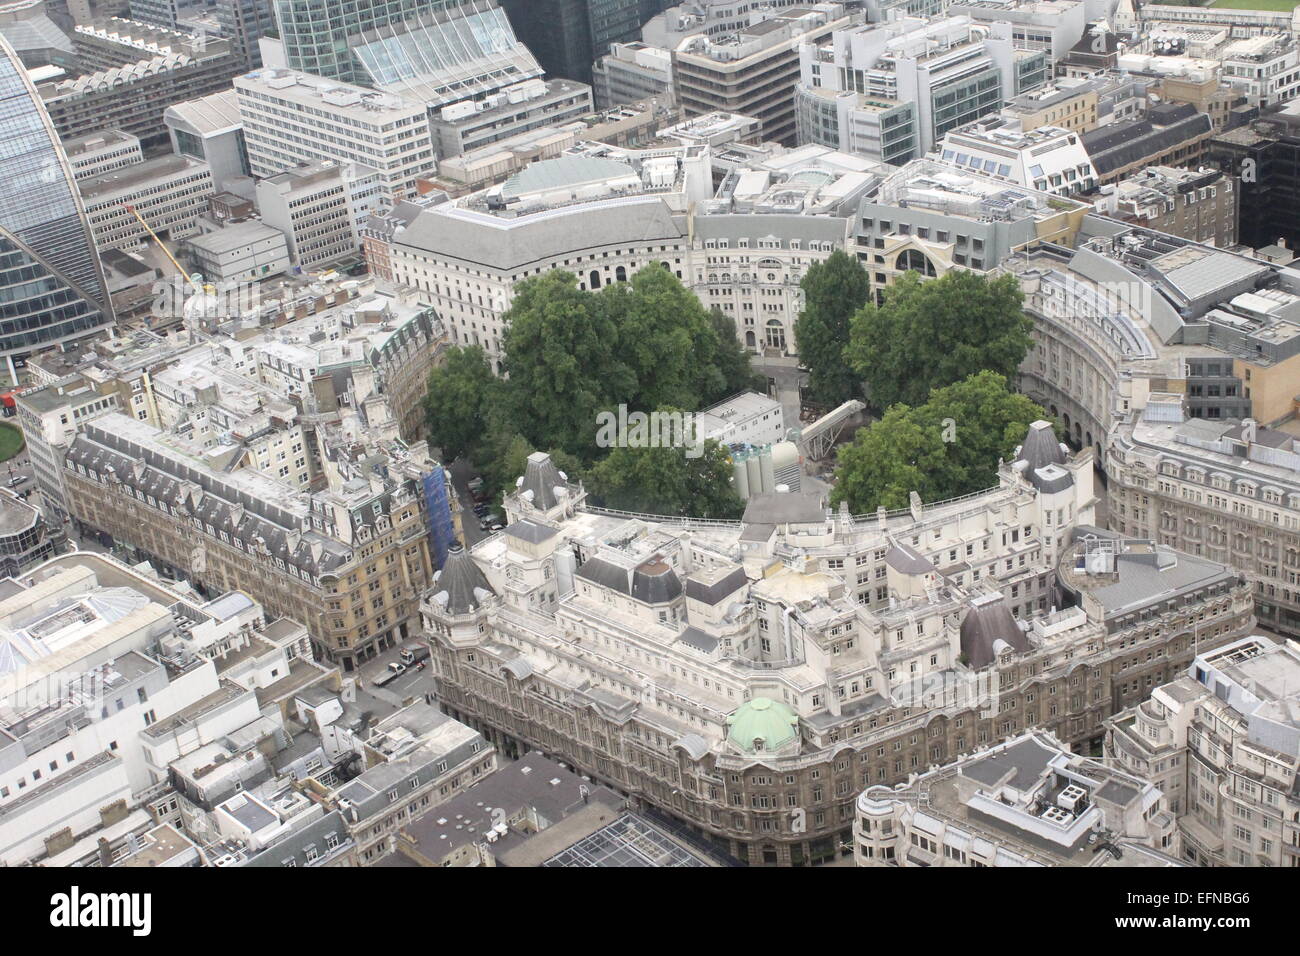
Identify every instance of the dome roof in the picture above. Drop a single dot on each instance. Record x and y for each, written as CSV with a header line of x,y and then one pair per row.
x,y
762,724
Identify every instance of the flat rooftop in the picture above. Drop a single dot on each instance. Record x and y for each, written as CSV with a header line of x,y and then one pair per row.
x,y
138,174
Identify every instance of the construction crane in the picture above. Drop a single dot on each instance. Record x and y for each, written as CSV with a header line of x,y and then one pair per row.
x,y
194,280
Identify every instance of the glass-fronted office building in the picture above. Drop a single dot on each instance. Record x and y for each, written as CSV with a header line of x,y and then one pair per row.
x,y
318,35
52,288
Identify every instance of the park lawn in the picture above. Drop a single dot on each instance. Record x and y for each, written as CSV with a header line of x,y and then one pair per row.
x,y
11,441
1255,4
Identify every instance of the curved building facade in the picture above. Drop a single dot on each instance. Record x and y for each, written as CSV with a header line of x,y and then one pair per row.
x,y
52,287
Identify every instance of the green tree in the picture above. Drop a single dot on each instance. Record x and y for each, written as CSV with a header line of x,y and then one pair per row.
x,y
949,446
930,334
664,336
730,370
834,291
666,481
888,460
562,369
984,421
504,458
461,392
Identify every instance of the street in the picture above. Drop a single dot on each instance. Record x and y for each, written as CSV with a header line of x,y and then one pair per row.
x,y
412,684
462,473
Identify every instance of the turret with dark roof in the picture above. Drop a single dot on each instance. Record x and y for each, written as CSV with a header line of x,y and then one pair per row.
x,y
1040,447
460,586
1041,459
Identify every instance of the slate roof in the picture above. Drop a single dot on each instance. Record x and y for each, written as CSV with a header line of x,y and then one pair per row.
x,y
651,582
1119,144
294,846
508,244
906,561
530,531
694,637
988,621
246,518
720,588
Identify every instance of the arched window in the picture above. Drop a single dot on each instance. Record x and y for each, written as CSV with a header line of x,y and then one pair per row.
x,y
775,334
914,260
750,341
593,279
621,273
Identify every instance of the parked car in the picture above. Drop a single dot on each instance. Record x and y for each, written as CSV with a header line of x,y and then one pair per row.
x,y
482,509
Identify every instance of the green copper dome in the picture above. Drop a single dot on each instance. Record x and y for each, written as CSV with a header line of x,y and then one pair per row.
x,y
762,724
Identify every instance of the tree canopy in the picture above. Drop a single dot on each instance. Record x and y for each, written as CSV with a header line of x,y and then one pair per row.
x,y
834,290
461,393
665,480
570,354
947,447
932,333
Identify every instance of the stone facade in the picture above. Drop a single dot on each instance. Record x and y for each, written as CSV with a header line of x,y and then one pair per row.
x,y
864,650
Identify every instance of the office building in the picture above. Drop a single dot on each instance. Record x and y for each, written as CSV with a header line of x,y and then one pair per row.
x,y
1220,740
1027,801
755,69
326,41
150,69
38,39
244,22
291,118
464,257
318,209
25,537
211,130
1265,157
533,104
423,755
1172,134
1178,202
1228,487
111,677
102,152
291,549
239,251
894,89
1067,104
631,72
930,217
53,285
752,243
558,33
1051,26
1129,314
169,192
1048,159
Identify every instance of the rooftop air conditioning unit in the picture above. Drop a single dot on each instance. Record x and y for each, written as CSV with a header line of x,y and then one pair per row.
x,y
1073,798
